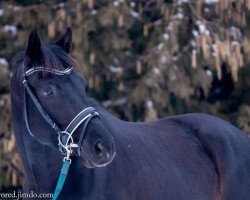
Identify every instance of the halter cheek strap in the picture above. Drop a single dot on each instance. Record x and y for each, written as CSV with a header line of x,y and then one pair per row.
x,y
39,108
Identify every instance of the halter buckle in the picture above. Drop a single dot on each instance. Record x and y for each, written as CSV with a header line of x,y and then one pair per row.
x,y
64,159
68,153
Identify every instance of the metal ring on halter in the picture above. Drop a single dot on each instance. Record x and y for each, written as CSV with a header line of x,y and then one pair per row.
x,y
68,142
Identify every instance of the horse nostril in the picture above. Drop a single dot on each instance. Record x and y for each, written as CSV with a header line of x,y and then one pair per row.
x,y
99,148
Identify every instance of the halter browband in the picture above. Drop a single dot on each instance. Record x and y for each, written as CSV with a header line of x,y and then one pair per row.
x,y
65,138
54,71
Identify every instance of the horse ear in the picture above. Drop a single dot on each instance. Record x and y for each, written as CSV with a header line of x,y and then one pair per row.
x,y
66,40
33,50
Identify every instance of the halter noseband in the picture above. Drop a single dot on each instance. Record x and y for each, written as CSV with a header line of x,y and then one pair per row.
x,y
65,137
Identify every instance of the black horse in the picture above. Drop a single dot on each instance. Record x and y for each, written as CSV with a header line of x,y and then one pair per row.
x,y
189,157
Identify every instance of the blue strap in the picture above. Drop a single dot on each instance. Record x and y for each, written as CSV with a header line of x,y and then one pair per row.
x,y
61,179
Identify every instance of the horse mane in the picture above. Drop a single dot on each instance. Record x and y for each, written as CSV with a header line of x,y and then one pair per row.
x,y
52,57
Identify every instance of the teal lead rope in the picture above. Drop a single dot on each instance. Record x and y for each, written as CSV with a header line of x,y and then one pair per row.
x,y
62,178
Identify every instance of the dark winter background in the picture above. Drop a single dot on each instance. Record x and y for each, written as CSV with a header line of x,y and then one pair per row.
x,y
142,59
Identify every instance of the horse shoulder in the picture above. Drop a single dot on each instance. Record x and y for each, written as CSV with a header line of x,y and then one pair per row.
x,y
227,147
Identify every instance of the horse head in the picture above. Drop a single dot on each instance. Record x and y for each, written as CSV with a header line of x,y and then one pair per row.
x,y
51,94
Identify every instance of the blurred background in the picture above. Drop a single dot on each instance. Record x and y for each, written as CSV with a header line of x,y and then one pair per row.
x,y
142,59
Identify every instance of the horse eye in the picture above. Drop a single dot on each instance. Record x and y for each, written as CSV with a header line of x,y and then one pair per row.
x,y
48,92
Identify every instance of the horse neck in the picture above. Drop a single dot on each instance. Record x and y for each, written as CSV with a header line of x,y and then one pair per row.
x,y
19,133
30,180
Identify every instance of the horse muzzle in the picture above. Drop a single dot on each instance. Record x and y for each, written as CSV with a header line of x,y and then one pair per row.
x,y
97,148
